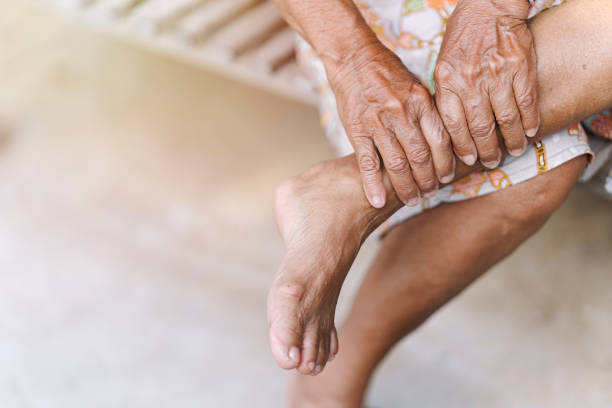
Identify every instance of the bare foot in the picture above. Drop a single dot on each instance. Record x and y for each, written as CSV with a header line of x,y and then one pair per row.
x,y
323,217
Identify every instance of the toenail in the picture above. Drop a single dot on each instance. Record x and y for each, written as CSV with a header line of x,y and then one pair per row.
x,y
311,366
294,354
318,369
331,357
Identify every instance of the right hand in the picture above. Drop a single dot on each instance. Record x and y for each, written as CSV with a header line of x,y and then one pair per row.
x,y
386,110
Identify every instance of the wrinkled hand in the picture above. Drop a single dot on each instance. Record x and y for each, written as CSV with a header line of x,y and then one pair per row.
x,y
486,76
386,110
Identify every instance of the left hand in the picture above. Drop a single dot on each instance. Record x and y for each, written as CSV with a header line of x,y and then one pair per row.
x,y
486,77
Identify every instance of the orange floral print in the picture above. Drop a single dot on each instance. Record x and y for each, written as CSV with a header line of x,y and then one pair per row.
x,y
470,185
499,179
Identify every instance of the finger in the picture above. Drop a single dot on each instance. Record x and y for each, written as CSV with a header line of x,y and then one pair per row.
x,y
481,123
525,93
370,170
397,167
509,119
419,156
333,344
440,145
452,114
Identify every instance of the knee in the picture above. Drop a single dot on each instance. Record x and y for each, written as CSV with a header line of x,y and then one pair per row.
x,y
534,201
536,210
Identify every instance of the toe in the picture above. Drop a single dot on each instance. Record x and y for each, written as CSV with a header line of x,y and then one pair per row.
x,y
333,344
285,327
310,349
323,354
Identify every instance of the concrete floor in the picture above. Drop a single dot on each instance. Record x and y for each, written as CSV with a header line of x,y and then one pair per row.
x,y
137,243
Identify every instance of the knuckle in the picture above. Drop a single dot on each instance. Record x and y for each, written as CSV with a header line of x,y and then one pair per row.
x,y
370,94
471,71
527,100
507,119
453,125
482,129
356,131
393,105
398,164
443,73
419,156
368,164
496,65
421,102
374,92
421,95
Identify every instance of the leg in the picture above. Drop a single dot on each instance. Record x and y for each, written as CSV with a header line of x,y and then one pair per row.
x,y
418,270
323,214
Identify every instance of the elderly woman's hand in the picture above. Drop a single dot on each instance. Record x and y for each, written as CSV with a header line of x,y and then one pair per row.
x,y
486,75
386,110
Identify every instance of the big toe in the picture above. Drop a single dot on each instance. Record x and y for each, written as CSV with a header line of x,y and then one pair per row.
x,y
285,327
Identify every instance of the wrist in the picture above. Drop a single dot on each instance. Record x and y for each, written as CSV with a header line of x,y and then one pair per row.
x,y
347,40
335,29
369,58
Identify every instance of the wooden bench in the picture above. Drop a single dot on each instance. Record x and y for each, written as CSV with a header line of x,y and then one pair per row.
x,y
242,39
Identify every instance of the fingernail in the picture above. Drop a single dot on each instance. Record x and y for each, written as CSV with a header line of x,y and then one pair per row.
x,y
413,202
431,193
311,366
531,132
517,152
378,202
469,159
447,179
294,354
491,164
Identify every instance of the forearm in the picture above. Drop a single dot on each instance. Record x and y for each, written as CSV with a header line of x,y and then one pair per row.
x,y
573,43
334,28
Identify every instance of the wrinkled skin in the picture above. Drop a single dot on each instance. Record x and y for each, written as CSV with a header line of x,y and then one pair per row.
x,y
385,109
389,116
486,76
